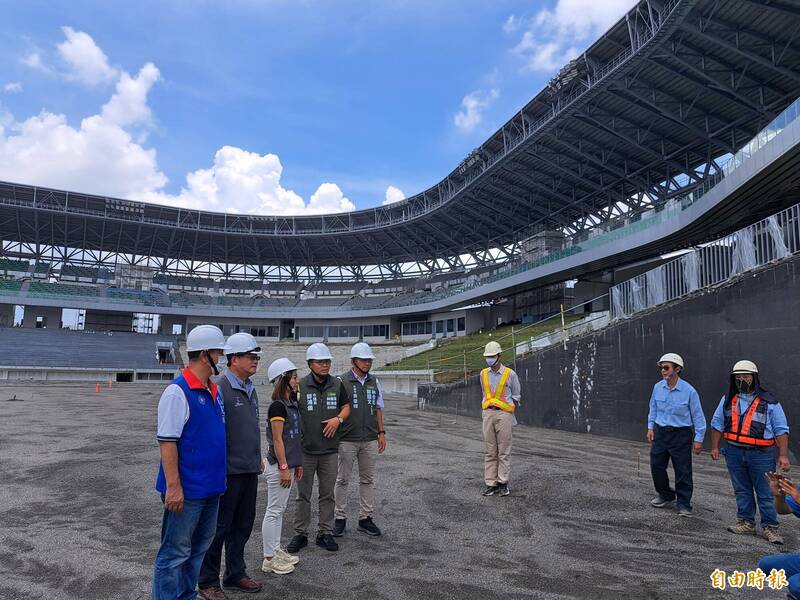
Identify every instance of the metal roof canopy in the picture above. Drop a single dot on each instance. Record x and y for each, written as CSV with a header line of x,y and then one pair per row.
x,y
636,120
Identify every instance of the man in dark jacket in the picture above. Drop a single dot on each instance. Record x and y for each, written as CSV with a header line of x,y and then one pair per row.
x,y
237,507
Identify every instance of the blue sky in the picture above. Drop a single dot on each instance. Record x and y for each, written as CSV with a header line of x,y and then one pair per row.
x,y
270,107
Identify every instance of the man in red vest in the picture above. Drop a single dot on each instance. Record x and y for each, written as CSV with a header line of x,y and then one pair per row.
x,y
501,396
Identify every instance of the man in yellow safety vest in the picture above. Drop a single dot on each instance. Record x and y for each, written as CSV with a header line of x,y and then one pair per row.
x,y
501,397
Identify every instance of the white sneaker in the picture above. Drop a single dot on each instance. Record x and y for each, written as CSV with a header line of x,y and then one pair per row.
x,y
277,566
286,557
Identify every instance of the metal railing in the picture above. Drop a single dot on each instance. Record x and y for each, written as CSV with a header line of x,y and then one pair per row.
x,y
766,241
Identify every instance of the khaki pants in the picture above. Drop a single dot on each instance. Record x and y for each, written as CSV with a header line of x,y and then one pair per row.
x,y
364,453
497,425
324,466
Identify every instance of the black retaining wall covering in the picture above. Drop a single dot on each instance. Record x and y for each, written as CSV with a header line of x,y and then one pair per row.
x,y
602,382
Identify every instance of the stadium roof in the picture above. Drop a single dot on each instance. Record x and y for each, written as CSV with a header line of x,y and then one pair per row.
x,y
639,118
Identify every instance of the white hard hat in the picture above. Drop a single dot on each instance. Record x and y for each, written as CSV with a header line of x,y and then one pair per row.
x,y
361,350
242,342
745,366
279,367
492,349
673,358
318,351
205,337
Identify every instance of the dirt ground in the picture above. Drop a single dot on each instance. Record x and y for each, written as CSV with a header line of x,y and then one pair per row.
x,y
79,519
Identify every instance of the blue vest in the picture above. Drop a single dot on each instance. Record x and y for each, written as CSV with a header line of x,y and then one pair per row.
x,y
202,461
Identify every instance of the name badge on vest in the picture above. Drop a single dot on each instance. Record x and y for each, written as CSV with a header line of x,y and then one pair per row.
x,y
332,401
311,401
294,430
355,396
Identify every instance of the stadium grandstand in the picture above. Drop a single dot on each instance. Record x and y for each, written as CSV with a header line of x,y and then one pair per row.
x,y
679,125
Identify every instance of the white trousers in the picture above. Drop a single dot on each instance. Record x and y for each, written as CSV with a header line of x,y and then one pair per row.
x,y
277,498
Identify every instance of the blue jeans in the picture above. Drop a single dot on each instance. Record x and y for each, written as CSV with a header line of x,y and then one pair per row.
x,y
789,563
747,469
185,537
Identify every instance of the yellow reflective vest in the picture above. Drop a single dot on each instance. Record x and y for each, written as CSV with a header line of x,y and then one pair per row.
x,y
499,398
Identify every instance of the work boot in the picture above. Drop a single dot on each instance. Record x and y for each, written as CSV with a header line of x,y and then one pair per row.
x,y
742,527
502,489
368,527
338,527
490,490
684,511
325,540
659,502
771,534
297,543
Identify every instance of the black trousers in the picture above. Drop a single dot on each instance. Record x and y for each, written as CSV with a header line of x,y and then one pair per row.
x,y
237,512
675,445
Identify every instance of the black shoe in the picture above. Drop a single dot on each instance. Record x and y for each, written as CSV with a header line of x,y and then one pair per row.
x,y
490,490
368,527
296,543
325,540
502,489
338,527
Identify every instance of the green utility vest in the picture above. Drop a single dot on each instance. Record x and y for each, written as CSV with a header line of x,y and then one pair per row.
x,y
362,425
318,403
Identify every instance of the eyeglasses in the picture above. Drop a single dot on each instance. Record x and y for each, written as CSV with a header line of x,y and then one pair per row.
x,y
254,357
666,368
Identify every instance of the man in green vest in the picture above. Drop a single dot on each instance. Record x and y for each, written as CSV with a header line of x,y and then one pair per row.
x,y
362,439
324,406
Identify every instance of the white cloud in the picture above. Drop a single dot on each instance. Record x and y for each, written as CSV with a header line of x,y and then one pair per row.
x,y
329,198
512,24
12,87
245,182
34,61
102,156
554,37
87,62
98,156
472,107
128,105
393,194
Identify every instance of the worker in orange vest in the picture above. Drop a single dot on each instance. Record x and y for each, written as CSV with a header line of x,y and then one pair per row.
x,y
501,397
753,424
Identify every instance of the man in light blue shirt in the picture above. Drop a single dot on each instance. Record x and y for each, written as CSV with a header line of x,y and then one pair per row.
x,y
753,424
674,410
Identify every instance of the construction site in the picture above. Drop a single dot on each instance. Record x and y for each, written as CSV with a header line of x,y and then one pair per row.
x,y
647,204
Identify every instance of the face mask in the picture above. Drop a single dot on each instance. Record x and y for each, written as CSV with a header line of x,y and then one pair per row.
x,y
490,361
743,386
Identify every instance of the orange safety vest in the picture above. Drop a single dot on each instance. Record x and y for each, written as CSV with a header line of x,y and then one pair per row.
x,y
497,398
742,434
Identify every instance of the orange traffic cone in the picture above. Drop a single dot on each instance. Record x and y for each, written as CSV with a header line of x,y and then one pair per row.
x,y
97,388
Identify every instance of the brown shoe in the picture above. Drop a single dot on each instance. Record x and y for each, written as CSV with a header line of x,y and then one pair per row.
x,y
246,585
212,593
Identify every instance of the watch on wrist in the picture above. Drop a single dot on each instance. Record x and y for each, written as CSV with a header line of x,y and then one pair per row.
x,y
283,467
381,433
341,420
